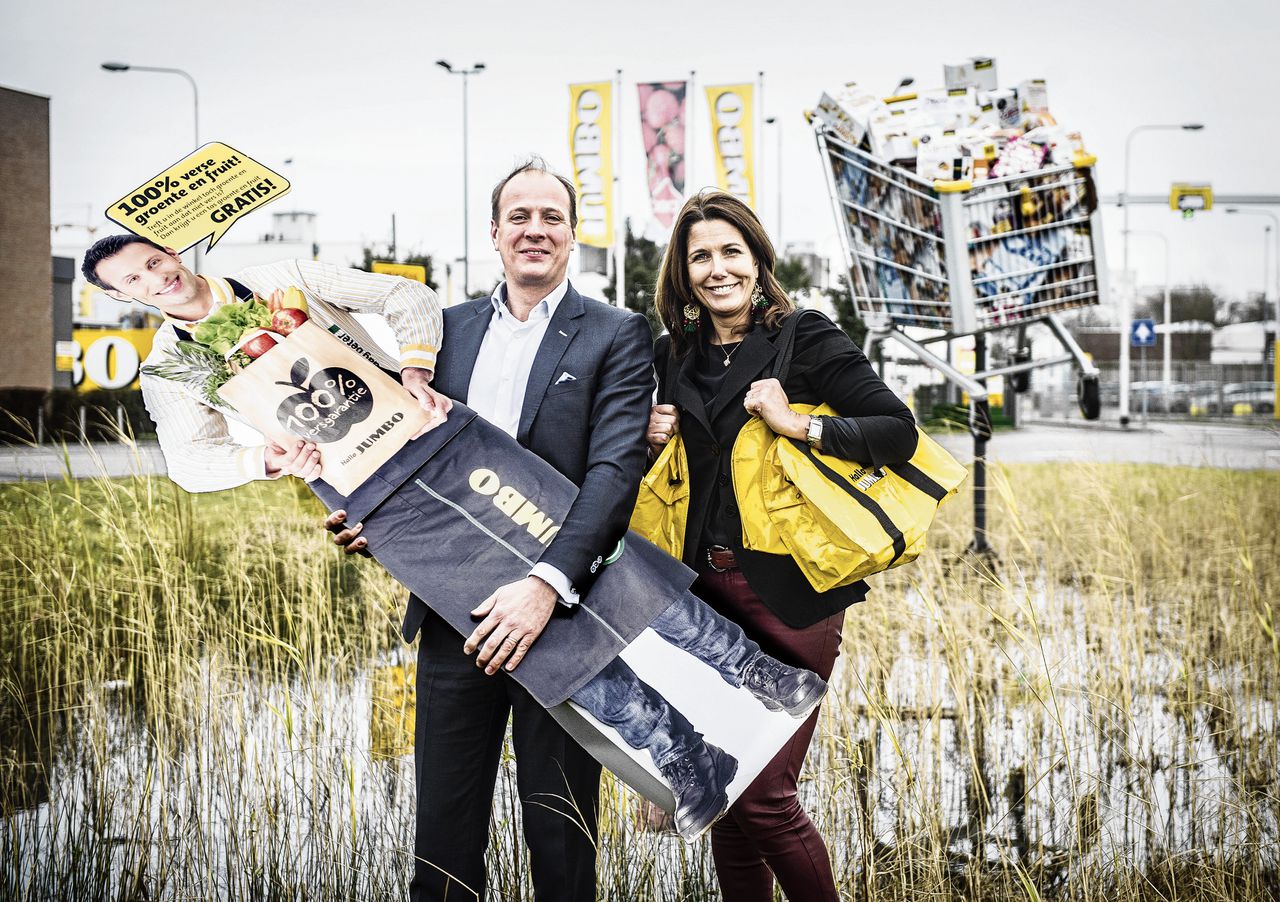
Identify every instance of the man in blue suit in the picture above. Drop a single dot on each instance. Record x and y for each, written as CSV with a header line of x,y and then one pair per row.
x,y
571,379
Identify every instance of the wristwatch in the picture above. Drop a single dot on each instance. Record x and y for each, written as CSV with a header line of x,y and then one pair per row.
x,y
814,435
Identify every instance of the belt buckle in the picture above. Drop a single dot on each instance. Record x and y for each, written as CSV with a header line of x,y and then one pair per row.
x,y
711,563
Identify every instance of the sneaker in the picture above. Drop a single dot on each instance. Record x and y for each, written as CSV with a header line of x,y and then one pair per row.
x,y
780,687
699,781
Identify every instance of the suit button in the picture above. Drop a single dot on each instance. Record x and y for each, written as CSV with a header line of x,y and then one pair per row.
x,y
724,478
732,510
715,450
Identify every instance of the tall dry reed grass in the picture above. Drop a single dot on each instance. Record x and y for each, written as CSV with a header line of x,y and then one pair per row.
x,y
198,699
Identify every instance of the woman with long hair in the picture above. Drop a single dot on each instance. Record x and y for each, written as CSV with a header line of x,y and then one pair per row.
x,y
723,309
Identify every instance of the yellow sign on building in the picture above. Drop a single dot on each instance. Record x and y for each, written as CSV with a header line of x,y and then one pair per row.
x,y
104,358
412,271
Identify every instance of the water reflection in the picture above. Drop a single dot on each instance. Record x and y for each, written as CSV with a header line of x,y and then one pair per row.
x,y
1036,746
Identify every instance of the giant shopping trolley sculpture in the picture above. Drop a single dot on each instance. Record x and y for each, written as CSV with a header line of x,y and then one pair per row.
x,y
961,258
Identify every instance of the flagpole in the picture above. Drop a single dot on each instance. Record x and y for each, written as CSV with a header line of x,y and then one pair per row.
x,y
690,98
619,214
757,129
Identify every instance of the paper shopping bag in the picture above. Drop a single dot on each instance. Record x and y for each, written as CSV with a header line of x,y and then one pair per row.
x,y
313,387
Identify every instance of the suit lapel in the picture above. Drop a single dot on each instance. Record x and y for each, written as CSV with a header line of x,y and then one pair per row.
x,y
749,364
546,363
685,393
461,347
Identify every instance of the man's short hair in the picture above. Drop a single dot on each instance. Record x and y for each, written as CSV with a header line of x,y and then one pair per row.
x,y
535,163
106,248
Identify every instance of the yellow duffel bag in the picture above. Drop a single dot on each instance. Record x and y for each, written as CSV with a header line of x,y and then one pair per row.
x,y
840,521
662,506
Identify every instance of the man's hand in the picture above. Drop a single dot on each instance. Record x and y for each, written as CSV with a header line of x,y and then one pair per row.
x,y
417,381
349,540
514,616
301,459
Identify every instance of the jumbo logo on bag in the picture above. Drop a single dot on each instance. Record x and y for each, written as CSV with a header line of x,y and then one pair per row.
x,y
511,502
326,405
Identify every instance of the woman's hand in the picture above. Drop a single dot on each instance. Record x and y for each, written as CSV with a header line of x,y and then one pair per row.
x,y
768,401
664,423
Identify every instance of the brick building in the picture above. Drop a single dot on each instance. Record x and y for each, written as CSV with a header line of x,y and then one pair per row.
x,y
26,269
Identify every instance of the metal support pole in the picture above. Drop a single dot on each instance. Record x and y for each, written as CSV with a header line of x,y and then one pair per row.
x,y
1126,302
980,545
620,227
466,213
1275,340
476,69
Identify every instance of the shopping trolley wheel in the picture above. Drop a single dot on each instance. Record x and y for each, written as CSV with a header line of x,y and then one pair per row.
x,y
1090,398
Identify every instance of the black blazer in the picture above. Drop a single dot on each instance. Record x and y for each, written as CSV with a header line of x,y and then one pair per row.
x,y
590,428
875,427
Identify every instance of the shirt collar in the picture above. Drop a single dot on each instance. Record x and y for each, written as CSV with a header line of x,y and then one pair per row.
x,y
544,309
222,293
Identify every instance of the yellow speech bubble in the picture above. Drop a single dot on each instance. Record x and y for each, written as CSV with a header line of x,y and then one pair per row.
x,y
201,196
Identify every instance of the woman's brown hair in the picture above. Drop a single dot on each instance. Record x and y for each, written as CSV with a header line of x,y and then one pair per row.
x,y
674,289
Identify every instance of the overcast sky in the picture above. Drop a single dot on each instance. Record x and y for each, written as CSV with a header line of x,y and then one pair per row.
x,y
350,93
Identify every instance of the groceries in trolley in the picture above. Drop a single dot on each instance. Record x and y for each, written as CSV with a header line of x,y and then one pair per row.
x,y
964,207
967,131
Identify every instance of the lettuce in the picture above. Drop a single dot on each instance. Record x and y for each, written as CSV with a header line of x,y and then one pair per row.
x,y
226,325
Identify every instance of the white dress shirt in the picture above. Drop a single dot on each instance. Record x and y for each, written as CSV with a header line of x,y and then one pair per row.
x,y
501,376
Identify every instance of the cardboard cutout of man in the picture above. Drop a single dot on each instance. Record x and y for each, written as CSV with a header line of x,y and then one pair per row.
x,y
199,451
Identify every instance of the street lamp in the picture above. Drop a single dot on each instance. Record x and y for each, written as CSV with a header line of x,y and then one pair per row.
x,y
1126,300
466,254
1275,232
195,98
773,120
1166,362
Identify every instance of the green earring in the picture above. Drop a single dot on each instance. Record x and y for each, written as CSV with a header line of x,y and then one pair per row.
x,y
758,299
692,317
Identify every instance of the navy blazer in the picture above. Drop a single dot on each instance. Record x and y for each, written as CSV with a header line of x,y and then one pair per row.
x,y
590,428
826,366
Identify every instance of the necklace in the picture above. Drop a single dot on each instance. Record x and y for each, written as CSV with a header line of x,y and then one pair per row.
x,y
728,355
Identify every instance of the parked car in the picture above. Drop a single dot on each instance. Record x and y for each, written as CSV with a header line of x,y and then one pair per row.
x,y
1260,396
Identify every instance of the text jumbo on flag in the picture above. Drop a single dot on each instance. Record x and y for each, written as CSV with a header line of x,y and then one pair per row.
x,y
733,139
591,148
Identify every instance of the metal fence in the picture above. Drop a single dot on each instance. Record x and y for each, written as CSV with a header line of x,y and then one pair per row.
x,y
1235,391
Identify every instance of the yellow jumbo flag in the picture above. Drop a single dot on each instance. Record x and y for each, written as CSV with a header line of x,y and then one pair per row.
x,y
591,148
733,138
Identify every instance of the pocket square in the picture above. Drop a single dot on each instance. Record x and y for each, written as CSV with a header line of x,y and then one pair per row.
x,y
566,376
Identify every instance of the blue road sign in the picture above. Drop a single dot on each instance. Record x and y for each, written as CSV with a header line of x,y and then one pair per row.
x,y
1142,334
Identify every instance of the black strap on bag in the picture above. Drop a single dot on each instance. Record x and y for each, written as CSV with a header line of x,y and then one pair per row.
x,y
786,344
782,365
890,528
912,474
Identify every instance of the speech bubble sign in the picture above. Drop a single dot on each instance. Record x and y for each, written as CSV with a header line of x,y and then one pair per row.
x,y
200,196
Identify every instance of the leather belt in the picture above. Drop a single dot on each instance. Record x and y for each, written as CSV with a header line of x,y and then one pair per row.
x,y
720,558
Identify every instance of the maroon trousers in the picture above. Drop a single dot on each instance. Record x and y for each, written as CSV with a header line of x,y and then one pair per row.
x,y
766,834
